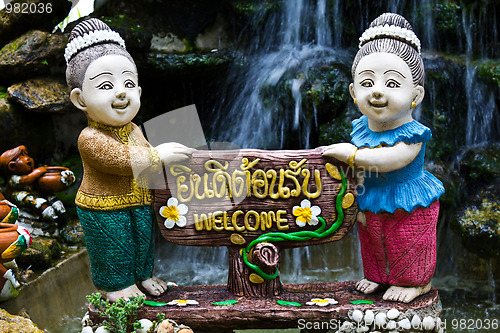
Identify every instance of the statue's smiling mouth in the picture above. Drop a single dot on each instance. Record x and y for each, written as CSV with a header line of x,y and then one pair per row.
x,y
121,105
378,104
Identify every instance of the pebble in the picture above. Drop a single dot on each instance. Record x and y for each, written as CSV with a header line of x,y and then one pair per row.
x,y
391,325
185,330
415,322
346,326
165,327
428,323
87,329
369,317
439,322
357,316
101,329
146,325
362,329
380,319
392,314
405,324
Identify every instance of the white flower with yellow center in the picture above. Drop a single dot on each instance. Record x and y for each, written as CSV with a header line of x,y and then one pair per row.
x,y
322,302
306,214
174,213
183,302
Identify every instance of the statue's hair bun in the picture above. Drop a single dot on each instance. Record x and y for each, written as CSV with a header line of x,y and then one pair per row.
x,y
87,26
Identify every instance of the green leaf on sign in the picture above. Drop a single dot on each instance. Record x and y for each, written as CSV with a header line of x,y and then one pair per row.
x,y
287,303
152,303
361,301
229,302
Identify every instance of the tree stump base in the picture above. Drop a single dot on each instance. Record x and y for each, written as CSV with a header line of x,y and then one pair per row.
x,y
266,313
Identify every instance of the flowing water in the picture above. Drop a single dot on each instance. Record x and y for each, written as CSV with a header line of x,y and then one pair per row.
x,y
304,34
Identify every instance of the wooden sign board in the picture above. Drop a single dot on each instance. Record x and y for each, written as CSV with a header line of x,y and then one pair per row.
x,y
256,202
251,193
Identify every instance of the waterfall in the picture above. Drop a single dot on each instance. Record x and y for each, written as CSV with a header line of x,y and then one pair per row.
x,y
481,106
259,116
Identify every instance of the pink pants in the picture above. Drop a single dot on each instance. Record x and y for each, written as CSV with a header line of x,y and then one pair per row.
x,y
400,248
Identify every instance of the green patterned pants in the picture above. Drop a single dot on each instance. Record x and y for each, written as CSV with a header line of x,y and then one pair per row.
x,y
120,244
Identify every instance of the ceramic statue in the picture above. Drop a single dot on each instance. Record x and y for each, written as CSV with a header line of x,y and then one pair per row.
x,y
32,187
399,202
14,240
114,210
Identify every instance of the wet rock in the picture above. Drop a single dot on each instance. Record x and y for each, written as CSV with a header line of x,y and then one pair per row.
x,y
166,16
42,95
479,223
132,30
72,233
40,254
214,37
45,18
34,53
18,126
191,64
16,324
168,43
480,165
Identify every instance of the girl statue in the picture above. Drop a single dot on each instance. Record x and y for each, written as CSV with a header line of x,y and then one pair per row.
x,y
115,212
399,200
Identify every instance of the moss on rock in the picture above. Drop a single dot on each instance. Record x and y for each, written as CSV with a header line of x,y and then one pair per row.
x,y
16,324
479,224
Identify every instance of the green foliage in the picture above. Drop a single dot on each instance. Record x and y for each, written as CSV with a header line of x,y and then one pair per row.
x,y
3,92
447,15
120,316
490,71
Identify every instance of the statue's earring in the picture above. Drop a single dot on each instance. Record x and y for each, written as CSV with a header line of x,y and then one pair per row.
x,y
355,101
413,105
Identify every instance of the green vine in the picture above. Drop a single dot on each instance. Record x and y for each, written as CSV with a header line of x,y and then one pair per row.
x,y
298,235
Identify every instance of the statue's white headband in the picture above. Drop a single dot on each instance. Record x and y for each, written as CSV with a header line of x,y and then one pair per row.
x,y
91,38
390,31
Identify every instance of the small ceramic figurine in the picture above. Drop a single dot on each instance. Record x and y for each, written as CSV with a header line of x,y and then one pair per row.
x,y
14,240
115,212
397,231
32,187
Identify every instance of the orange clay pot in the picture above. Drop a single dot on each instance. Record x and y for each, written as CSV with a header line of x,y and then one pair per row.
x,y
8,235
4,210
51,181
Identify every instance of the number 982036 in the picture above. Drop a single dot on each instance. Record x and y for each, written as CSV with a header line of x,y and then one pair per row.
x,y
28,8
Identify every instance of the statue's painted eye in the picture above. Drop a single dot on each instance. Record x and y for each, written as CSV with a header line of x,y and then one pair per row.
x,y
105,85
130,84
367,83
392,84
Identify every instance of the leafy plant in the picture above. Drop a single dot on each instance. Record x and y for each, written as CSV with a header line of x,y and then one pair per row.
x,y
120,316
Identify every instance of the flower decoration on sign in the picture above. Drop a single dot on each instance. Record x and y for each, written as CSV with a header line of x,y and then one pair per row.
x,y
322,301
182,302
306,214
174,213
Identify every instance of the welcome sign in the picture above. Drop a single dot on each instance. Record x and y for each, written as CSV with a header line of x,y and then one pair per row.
x,y
224,198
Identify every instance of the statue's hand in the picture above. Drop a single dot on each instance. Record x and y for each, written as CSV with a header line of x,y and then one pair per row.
x,y
340,151
173,152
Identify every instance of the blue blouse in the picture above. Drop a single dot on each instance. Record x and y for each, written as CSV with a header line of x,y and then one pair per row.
x,y
406,188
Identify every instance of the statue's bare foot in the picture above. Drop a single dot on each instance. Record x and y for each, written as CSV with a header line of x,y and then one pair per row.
x,y
366,286
405,294
154,286
124,293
